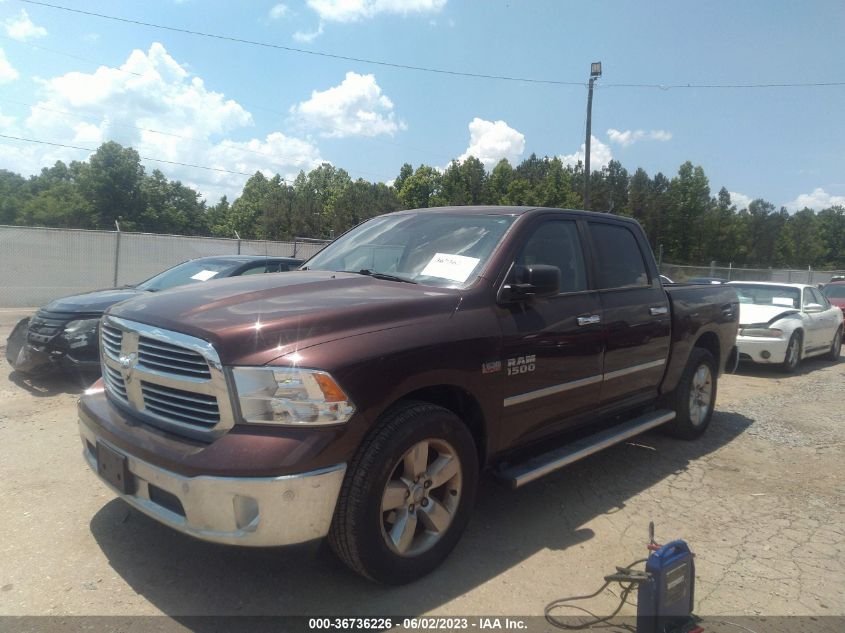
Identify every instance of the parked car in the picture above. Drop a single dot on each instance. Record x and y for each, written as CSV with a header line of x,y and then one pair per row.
x,y
706,280
835,293
361,396
784,323
63,334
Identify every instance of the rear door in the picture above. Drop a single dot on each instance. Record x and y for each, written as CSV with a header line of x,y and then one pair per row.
x,y
637,319
552,347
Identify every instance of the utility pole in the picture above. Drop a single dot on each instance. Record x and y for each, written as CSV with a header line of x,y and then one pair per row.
x,y
595,73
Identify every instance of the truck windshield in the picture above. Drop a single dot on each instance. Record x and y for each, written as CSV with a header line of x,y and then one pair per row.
x,y
437,249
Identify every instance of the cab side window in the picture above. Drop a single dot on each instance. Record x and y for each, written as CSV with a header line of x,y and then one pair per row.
x,y
556,243
619,260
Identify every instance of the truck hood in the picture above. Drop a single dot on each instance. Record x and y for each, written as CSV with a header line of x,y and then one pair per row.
x,y
753,314
253,320
90,302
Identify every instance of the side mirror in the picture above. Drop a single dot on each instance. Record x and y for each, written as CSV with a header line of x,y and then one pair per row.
x,y
813,307
531,282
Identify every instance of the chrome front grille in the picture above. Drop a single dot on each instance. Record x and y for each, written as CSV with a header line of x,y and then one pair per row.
x,y
187,406
114,383
167,379
111,338
172,359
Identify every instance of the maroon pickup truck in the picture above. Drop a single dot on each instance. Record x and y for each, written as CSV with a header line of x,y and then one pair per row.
x,y
361,397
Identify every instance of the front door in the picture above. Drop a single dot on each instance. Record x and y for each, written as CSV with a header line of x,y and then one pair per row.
x,y
551,347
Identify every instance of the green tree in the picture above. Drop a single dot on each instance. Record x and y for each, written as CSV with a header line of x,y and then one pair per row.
x,y
421,188
112,183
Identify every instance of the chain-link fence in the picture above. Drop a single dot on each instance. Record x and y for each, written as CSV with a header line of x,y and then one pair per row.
x,y
680,273
38,265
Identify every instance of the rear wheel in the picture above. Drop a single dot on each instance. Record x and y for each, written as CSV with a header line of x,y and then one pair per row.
x,y
407,496
793,354
695,396
836,346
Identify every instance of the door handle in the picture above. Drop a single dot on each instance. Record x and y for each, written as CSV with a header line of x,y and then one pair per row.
x,y
660,310
589,320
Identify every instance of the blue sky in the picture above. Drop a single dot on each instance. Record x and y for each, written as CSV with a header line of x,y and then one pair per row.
x,y
80,80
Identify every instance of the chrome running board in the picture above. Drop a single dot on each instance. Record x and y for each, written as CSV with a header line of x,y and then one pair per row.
x,y
525,472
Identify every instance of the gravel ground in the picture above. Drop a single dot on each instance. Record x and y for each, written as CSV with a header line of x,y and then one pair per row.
x,y
759,498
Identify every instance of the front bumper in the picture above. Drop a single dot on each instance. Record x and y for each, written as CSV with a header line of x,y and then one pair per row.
x,y
762,350
250,511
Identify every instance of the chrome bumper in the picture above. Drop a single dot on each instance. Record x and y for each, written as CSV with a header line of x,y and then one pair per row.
x,y
251,511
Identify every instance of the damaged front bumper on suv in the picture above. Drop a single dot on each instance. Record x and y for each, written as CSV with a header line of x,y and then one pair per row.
x,y
237,510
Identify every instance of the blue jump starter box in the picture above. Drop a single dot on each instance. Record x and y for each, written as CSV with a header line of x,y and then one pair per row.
x,y
665,599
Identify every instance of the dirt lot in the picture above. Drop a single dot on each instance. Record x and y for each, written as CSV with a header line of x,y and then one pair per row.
x,y
759,498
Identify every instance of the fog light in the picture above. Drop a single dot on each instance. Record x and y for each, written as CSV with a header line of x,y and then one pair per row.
x,y
766,355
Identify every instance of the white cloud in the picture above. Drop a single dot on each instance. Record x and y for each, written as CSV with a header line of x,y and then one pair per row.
x,y
600,155
7,71
278,11
308,36
181,120
819,199
21,28
629,137
491,141
355,10
740,200
7,122
356,107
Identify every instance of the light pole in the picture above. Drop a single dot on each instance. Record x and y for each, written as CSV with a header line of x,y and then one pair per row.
x,y
595,73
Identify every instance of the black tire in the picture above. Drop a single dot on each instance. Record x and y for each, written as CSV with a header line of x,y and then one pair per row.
x,y
359,535
835,346
793,354
690,422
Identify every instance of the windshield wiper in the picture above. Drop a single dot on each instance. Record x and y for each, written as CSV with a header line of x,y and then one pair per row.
x,y
377,275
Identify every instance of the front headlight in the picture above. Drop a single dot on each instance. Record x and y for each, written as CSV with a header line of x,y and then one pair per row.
x,y
81,327
290,396
761,332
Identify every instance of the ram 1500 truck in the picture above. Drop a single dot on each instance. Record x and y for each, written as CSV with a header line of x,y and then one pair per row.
x,y
360,397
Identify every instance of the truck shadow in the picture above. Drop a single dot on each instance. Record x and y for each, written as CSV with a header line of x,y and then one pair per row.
x,y
181,576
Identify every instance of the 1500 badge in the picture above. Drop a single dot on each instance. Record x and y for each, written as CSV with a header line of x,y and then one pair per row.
x,y
521,365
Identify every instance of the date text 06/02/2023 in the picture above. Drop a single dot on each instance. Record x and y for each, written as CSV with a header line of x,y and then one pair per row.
x,y
418,624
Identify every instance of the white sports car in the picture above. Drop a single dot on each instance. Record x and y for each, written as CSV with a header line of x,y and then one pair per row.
x,y
783,323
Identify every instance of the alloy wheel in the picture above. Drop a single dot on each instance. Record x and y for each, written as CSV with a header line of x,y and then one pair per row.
x,y
701,395
421,497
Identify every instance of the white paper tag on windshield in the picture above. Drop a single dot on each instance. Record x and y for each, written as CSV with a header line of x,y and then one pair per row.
x,y
452,267
783,301
204,275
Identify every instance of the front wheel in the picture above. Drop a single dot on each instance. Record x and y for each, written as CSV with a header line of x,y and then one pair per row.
x,y
836,346
695,396
793,354
407,496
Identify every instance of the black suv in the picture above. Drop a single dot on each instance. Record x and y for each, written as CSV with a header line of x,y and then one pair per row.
x,y
63,334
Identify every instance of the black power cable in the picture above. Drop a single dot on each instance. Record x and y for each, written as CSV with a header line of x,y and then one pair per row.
x,y
624,575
